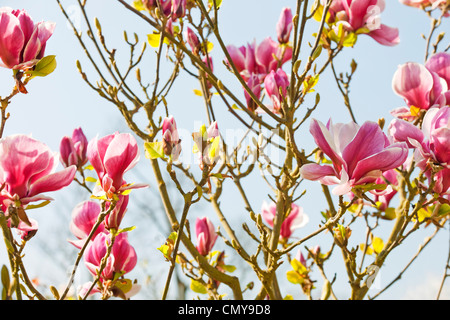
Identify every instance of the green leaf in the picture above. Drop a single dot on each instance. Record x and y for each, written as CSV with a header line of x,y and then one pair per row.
x,y
44,67
154,150
40,205
5,277
229,268
198,287
124,284
218,3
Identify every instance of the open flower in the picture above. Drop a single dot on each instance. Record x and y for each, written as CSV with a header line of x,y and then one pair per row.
x,y
27,171
359,155
295,219
22,42
432,144
121,260
112,156
84,217
206,235
361,17
259,59
419,87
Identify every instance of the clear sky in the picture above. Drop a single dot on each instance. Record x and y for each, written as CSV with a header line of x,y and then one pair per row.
x,y
61,102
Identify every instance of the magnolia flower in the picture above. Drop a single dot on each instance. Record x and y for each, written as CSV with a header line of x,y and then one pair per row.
x,y
439,63
191,38
362,17
254,84
359,155
121,260
112,156
426,3
432,144
259,59
384,198
73,149
22,42
171,138
206,235
114,218
295,219
84,217
284,25
27,171
419,87
173,8
275,85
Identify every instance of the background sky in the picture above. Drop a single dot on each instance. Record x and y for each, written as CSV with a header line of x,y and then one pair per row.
x,y
62,101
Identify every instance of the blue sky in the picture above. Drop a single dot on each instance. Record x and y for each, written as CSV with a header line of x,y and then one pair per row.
x,y
61,102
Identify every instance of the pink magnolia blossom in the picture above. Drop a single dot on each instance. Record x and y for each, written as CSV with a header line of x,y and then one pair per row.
x,y
171,138
427,3
275,85
284,25
191,38
431,143
206,235
27,170
363,17
259,59
73,149
296,218
419,87
122,259
22,42
173,8
360,155
114,218
439,63
84,217
112,156
384,198
254,84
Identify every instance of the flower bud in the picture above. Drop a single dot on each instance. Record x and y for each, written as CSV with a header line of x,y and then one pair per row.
x,y
284,25
206,235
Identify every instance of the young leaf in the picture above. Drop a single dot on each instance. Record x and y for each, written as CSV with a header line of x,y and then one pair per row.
x,y
154,150
198,287
44,67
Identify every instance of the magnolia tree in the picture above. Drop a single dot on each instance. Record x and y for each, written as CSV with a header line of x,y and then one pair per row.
x,y
360,167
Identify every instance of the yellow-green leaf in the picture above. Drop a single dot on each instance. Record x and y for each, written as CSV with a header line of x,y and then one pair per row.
x,y
377,245
198,92
154,150
197,287
229,268
44,67
91,179
40,205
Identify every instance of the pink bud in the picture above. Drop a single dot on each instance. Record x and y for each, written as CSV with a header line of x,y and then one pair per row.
x,y
178,9
73,150
275,85
171,138
191,38
206,235
254,84
284,25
